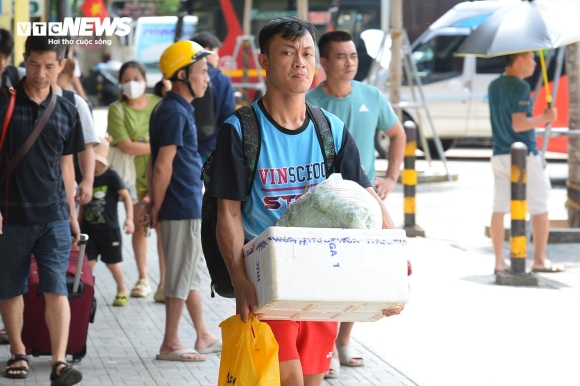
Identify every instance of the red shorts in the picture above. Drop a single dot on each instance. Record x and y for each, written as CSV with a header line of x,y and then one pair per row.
x,y
310,342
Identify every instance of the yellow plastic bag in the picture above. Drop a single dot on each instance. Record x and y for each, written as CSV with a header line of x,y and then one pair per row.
x,y
249,354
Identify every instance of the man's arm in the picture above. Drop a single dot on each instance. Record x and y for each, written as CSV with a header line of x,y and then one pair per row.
x,y
398,140
162,173
522,123
387,221
146,212
387,224
68,177
87,165
150,179
230,238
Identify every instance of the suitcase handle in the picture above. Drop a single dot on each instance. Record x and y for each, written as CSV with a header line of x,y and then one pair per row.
x,y
82,245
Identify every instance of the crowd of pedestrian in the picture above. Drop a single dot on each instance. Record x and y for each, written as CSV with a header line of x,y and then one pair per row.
x,y
152,161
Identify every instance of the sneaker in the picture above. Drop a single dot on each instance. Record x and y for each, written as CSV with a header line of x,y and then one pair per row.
x,y
121,300
159,295
141,289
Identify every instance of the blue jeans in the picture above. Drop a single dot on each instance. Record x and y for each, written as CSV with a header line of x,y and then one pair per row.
x,y
50,243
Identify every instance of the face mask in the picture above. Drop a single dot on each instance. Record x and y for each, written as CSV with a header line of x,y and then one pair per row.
x,y
133,89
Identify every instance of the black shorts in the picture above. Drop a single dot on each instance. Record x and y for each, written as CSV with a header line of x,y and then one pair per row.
x,y
107,244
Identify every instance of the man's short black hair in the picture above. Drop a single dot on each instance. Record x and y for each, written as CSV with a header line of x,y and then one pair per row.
x,y
45,44
206,40
327,38
289,28
6,42
511,59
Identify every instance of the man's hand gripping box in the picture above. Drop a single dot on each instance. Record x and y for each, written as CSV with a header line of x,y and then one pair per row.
x,y
327,274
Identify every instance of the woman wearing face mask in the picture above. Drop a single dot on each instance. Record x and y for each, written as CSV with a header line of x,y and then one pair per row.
x,y
128,125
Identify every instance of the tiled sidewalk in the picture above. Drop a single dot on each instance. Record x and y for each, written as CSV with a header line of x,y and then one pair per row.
x,y
123,341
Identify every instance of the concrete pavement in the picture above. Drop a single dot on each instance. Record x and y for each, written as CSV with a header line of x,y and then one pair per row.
x,y
458,329
123,341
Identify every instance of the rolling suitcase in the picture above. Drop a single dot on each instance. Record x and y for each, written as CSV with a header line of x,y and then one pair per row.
x,y
81,294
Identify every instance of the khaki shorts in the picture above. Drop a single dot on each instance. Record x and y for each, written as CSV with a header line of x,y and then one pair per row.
x,y
537,189
183,255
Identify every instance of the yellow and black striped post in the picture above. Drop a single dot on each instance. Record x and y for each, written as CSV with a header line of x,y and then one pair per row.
x,y
410,182
518,242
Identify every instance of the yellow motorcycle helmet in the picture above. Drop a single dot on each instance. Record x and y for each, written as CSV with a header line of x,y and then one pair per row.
x,y
179,55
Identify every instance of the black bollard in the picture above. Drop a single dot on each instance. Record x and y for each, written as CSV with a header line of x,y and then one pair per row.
x,y
518,242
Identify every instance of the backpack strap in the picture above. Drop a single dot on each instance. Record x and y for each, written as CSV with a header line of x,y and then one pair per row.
x,y
10,95
69,96
25,147
251,142
10,73
325,138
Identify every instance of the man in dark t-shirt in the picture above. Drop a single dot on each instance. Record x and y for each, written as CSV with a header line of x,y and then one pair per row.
x,y
175,197
290,159
37,209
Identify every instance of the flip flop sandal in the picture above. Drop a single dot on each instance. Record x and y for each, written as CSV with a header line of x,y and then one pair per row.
x,y
334,366
216,347
345,354
11,371
550,268
177,356
68,375
141,289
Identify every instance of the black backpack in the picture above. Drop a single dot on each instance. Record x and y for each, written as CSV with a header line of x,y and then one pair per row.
x,y
11,73
70,96
205,120
251,140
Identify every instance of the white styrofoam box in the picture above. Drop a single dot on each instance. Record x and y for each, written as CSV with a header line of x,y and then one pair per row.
x,y
327,274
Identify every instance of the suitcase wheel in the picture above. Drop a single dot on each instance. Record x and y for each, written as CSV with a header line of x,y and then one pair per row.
x,y
93,311
78,356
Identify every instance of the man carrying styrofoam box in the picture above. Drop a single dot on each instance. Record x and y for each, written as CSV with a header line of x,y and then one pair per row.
x,y
289,159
